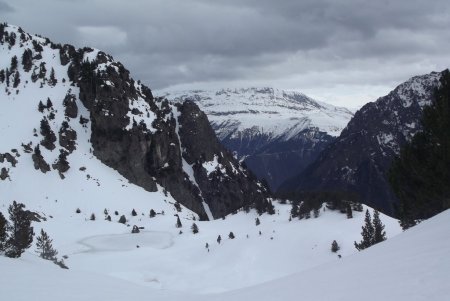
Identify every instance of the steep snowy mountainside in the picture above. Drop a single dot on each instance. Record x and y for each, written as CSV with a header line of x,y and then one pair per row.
x,y
277,133
273,112
359,159
62,106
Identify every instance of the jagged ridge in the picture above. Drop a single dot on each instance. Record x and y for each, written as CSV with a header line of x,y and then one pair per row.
x,y
277,133
359,159
143,138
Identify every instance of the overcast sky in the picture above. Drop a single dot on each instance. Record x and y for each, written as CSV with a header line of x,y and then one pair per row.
x,y
345,52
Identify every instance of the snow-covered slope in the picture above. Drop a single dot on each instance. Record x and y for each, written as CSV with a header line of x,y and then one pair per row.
x,y
275,113
411,266
66,111
278,133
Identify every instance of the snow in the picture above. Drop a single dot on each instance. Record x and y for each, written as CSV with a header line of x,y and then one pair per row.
x,y
411,266
276,113
213,165
107,262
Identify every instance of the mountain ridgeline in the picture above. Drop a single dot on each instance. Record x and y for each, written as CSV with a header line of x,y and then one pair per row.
x,y
355,166
276,133
150,141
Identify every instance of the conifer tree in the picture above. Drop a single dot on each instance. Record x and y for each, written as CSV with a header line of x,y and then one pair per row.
x,y
367,233
379,234
194,228
52,81
257,222
231,235
3,233
122,219
334,246
152,213
349,211
44,246
178,225
219,239
133,212
20,230
41,106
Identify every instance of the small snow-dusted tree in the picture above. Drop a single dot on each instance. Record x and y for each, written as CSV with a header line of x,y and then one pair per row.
x,y
92,218
219,239
367,233
52,81
122,219
44,246
133,212
3,232
349,211
334,246
379,234
194,228
20,230
41,106
135,229
231,235
179,225
257,222
152,213
177,206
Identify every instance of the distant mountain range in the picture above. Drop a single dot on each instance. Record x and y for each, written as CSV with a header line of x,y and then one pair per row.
x,y
359,159
276,133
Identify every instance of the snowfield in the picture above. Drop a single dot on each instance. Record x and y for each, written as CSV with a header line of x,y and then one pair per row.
x,y
414,265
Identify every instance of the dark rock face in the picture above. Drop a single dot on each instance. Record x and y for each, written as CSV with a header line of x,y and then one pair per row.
x,y
150,141
228,186
277,160
358,161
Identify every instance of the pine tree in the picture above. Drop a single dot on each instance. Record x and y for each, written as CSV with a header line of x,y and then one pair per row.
x,y
231,235
52,81
133,212
20,230
16,81
367,233
257,222
219,239
152,213
92,218
49,136
13,64
420,176
3,233
349,211
379,234
122,219
178,225
194,228
334,246
135,229
294,210
41,106
44,246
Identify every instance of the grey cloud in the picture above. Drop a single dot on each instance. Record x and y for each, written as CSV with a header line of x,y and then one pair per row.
x,y
318,44
6,8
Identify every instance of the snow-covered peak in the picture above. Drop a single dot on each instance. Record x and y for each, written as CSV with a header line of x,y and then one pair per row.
x,y
418,87
273,112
